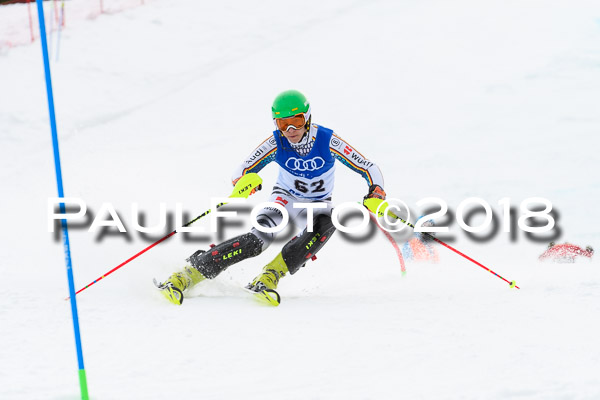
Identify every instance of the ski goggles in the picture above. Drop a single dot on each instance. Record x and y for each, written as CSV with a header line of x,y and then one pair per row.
x,y
295,121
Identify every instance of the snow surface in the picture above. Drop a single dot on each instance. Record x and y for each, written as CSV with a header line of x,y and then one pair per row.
x,y
158,103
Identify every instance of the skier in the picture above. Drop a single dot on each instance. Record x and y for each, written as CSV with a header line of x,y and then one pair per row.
x,y
305,153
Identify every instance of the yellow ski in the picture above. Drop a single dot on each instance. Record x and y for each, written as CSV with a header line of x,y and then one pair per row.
x,y
268,297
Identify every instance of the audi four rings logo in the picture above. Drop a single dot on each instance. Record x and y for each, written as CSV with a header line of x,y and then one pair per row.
x,y
297,164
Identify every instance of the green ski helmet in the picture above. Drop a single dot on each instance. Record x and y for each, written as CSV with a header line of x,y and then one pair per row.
x,y
290,103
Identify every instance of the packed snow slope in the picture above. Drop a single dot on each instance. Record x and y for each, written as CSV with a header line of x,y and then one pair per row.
x,y
158,103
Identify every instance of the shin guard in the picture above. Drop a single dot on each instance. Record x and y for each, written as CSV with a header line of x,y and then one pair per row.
x,y
304,247
216,260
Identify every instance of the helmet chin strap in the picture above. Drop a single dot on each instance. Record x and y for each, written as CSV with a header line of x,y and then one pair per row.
x,y
302,138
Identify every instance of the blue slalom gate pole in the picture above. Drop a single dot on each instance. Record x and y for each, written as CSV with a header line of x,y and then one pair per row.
x,y
59,184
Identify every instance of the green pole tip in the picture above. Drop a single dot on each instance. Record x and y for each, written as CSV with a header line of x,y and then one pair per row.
x,y
83,385
404,274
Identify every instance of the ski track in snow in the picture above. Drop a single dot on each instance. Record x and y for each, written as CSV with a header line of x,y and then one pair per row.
x,y
158,103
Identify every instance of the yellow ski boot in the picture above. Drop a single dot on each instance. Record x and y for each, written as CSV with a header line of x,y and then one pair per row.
x,y
264,285
173,287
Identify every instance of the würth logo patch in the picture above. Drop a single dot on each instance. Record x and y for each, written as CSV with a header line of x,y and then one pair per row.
x,y
347,150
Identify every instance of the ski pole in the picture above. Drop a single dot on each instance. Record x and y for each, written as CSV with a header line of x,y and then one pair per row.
x,y
511,283
243,188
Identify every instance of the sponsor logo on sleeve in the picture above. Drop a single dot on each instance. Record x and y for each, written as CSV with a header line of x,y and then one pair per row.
x,y
361,161
255,156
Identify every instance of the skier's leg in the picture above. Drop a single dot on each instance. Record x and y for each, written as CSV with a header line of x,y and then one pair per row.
x,y
296,252
173,287
210,263
271,217
305,246
214,261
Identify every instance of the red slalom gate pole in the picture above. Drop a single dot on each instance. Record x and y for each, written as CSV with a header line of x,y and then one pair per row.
x,y
56,18
511,283
393,242
30,21
62,13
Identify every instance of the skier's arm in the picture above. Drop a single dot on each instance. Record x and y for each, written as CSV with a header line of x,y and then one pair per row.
x,y
261,156
352,159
